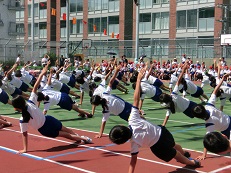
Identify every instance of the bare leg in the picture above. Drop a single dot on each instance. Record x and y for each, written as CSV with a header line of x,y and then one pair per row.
x,y
69,134
205,96
76,108
73,94
184,160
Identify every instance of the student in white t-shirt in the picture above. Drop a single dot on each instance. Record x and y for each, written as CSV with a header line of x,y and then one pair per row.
x,y
142,133
47,125
175,103
111,104
51,97
215,120
59,86
191,88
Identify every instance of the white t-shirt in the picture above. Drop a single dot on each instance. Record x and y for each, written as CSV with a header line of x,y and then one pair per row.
x,y
218,121
147,90
226,95
115,106
181,103
7,87
144,134
64,78
54,97
38,119
16,82
56,84
100,89
26,77
191,87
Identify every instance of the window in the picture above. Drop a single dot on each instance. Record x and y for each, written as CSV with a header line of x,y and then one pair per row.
x,y
191,18
206,12
100,23
145,23
73,7
160,21
181,19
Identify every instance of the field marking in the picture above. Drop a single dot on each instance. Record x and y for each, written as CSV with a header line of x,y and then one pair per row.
x,y
116,153
221,169
44,159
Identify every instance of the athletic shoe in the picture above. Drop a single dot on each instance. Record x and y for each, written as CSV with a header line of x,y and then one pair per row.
x,y
87,140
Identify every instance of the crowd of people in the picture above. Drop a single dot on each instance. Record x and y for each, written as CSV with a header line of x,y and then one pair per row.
x,y
97,80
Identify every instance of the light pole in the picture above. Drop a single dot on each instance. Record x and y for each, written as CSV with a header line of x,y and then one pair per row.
x,y
32,28
67,27
137,2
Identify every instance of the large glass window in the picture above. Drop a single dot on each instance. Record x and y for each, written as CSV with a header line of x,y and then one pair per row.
x,y
206,19
73,7
191,18
156,1
100,25
145,4
145,23
160,21
181,19
113,24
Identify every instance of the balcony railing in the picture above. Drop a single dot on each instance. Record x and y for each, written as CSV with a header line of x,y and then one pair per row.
x,y
16,4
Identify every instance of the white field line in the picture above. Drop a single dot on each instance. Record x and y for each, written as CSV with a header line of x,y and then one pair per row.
x,y
116,153
48,160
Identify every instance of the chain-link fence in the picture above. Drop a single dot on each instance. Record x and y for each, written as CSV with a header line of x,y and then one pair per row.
x,y
152,48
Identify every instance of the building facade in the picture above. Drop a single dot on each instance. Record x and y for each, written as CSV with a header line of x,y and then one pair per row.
x,y
8,30
167,28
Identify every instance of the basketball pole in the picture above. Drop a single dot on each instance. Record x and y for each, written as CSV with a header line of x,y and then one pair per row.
x,y
67,27
137,31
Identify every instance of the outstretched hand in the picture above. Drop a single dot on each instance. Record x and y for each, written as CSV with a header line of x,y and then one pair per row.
x,y
141,74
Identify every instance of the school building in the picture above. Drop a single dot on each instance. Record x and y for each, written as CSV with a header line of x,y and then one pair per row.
x,y
167,28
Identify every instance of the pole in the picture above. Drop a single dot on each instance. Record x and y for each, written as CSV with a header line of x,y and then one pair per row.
x,y
137,31
68,27
225,29
32,28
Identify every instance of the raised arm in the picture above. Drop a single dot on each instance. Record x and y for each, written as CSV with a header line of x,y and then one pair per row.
x,y
181,75
220,83
12,69
36,85
114,76
138,87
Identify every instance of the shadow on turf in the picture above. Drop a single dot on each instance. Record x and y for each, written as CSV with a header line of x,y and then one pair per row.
x,y
73,119
190,125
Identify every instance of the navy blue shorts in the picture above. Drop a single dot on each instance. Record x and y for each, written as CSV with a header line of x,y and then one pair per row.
x,y
164,148
65,102
24,87
198,93
126,112
188,111
72,81
119,76
51,127
16,92
65,89
156,97
114,85
4,97
158,83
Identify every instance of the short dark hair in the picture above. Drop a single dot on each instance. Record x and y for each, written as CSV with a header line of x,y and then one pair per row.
x,y
18,73
120,134
199,111
80,80
215,142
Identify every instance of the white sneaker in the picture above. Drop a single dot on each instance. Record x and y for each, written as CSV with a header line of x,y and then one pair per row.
x,y
87,140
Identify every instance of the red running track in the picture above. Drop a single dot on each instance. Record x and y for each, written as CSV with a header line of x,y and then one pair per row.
x,y
60,155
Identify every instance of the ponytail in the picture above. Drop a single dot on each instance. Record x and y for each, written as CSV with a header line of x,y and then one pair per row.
x,y
97,100
103,102
167,99
20,103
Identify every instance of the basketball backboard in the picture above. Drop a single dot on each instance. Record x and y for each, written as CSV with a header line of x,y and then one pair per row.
x,y
86,43
225,39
